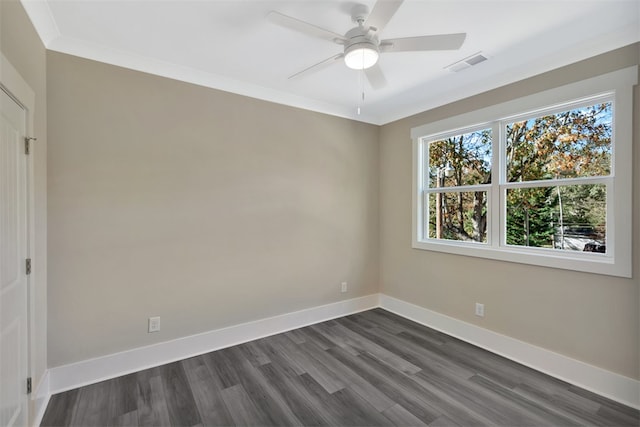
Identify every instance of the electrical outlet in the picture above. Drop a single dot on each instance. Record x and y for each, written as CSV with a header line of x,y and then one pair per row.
x,y
479,309
344,287
154,324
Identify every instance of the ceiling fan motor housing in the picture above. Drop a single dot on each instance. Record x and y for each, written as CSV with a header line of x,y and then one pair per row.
x,y
361,49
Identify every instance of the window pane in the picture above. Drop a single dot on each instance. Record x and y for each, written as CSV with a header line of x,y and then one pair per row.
x,y
571,218
458,216
574,143
461,160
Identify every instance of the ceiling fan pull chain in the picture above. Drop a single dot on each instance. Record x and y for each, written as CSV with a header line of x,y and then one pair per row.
x,y
361,84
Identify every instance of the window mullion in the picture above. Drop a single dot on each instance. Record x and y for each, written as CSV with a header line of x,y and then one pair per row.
x,y
497,172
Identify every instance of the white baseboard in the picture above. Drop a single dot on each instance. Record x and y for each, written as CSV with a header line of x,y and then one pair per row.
x,y
67,377
605,383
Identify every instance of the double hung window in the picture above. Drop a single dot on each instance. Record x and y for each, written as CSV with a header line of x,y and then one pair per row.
x,y
543,180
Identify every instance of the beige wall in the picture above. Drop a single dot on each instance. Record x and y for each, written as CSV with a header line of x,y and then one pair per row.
x,y
592,318
205,208
22,47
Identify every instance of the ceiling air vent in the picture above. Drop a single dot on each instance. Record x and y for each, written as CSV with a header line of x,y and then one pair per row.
x,y
467,62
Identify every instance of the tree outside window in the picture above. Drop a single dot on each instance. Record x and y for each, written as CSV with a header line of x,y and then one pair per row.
x,y
563,150
456,165
554,195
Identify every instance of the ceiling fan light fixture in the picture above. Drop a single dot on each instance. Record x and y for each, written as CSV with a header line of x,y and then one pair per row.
x,y
361,56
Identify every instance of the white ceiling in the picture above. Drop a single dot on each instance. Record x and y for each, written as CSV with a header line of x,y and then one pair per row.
x,y
230,45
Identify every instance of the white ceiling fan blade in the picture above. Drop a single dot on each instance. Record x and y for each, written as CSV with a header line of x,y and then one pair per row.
x,y
304,27
382,13
317,67
437,42
376,77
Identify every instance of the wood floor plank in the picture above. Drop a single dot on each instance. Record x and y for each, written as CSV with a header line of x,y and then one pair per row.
x,y
361,320
372,368
283,360
444,421
178,395
123,396
540,412
418,355
254,354
437,404
426,356
262,393
363,388
296,336
342,408
312,335
306,407
152,406
368,346
323,375
446,403
422,340
352,410
606,414
614,406
401,417
222,366
480,401
581,410
337,340
92,407
319,396
60,409
242,408
386,318
129,419
489,365
410,401
380,319
207,394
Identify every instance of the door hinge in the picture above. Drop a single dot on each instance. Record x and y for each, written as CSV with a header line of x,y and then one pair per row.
x,y
27,265
29,385
27,144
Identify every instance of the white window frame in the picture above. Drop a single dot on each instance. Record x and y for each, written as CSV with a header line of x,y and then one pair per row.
x,y
615,86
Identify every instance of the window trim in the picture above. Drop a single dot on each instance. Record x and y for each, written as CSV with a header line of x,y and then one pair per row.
x,y
618,260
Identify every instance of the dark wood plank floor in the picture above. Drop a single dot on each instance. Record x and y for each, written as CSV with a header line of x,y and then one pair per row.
x,y
369,369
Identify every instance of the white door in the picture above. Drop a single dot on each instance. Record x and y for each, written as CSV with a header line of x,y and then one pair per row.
x,y
13,253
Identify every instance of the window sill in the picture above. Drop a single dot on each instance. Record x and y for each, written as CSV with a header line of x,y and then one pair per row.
x,y
588,262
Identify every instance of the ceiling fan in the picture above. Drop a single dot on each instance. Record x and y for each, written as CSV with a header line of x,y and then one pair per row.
x,y
362,46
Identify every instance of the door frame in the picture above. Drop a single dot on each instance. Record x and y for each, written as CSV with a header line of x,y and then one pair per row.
x,y
13,84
